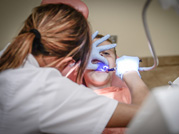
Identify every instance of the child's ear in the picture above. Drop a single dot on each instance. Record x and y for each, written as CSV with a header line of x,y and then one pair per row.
x,y
69,61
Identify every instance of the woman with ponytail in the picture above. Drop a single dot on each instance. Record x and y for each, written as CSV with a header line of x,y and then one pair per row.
x,y
53,33
36,98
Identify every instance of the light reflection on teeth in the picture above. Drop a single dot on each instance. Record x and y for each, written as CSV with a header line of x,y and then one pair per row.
x,y
102,67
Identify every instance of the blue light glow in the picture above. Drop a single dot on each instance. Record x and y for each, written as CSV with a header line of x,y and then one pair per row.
x,y
102,67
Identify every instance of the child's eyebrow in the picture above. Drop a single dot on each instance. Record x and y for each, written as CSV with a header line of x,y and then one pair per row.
x,y
112,50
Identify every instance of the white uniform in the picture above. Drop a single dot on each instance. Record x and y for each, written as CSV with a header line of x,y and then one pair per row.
x,y
40,100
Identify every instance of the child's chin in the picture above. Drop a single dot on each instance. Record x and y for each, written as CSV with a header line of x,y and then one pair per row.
x,y
101,77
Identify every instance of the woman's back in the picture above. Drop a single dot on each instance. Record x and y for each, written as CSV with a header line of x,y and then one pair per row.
x,y
42,100
19,98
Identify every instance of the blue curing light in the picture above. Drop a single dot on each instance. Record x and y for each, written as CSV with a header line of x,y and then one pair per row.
x,y
102,67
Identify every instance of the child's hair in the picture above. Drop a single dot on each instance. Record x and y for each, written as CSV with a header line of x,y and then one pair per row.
x,y
64,33
100,36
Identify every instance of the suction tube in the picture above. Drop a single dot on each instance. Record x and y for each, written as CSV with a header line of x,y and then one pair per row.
x,y
150,44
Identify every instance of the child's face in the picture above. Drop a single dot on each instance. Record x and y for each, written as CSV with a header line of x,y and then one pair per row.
x,y
94,77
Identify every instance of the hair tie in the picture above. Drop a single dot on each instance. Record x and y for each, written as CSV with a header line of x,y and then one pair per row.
x,y
37,46
36,32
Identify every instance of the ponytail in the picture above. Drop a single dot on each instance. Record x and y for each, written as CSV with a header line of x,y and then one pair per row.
x,y
17,51
53,30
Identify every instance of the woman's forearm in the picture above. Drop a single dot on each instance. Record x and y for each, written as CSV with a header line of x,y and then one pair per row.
x,y
125,112
138,88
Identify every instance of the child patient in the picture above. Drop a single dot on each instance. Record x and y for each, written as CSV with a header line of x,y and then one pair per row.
x,y
103,82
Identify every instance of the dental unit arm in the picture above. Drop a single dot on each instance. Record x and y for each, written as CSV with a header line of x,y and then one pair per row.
x,y
150,44
165,4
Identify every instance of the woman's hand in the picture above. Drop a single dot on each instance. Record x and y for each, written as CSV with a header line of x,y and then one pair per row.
x,y
95,52
125,64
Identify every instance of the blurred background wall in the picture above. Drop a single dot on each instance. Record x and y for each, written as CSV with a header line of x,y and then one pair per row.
x,y
116,17
12,15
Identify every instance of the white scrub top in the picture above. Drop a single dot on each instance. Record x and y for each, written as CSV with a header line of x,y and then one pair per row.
x,y
37,100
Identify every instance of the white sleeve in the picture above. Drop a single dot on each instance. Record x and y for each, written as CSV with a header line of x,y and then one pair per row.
x,y
67,107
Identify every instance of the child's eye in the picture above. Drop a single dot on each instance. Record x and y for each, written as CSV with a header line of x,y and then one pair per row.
x,y
105,53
